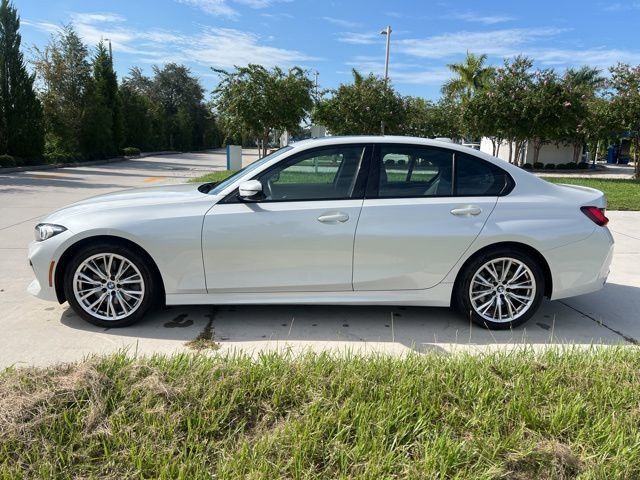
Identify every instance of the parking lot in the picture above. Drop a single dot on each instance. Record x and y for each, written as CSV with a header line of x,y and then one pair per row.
x,y
40,333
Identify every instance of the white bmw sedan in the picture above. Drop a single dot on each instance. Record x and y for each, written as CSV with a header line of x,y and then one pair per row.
x,y
351,220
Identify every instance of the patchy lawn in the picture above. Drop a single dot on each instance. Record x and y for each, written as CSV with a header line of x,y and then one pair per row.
x,y
621,194
213,176
511,415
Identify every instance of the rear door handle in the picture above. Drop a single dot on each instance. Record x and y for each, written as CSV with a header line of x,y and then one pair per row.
x,y
333,217
466,211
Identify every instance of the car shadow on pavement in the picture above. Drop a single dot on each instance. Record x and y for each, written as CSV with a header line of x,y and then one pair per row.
x,y
418,328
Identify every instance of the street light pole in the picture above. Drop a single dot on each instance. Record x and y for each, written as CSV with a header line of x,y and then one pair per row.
x,y
387,32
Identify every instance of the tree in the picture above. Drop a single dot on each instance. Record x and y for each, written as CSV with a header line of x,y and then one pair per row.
x,y
471,75
361,107
546,106
136,117
255,101
177,96
500,110
102,115
580,89
65,76
21,122
625,104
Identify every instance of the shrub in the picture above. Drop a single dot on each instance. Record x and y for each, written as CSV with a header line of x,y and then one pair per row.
x,y
402,162
583,166
572,166
527,166
7,161
550,166
538,165
131,151
389,162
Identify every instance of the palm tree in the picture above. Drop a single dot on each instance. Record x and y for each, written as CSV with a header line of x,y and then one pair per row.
x,y
471,75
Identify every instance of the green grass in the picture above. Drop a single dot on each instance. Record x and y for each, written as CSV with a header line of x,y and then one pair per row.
x,y
517,415
621,194
213,176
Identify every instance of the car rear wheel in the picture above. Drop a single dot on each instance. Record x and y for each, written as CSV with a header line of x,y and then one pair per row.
x,y
500,289
109,285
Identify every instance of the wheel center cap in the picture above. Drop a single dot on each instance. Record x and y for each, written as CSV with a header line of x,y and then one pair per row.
x,y
500,289
111,285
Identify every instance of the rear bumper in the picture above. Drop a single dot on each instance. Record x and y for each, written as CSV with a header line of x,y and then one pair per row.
x,y
581,267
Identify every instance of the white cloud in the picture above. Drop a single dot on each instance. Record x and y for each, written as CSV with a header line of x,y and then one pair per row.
x,y
340,22
218,47
225,47
221,8
506,42
401,72
619,7
477,18
359,38
97,17
40,25
218,8
602,58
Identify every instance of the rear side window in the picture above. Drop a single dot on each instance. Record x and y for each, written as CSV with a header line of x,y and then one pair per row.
x,y
475,177
408,171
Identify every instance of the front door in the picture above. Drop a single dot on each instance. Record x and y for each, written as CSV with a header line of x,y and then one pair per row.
x,y
424,207
300,237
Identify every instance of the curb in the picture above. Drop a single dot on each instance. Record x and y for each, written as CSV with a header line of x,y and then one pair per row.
x,y
36,168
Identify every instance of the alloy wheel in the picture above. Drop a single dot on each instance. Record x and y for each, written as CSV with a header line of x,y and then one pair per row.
x,y
502,290
108,286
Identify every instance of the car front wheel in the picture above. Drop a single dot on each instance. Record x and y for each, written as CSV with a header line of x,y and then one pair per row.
x,y
500,289
109,285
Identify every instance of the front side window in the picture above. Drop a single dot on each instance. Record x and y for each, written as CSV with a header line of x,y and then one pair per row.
x,y
219,187
407,171
325,174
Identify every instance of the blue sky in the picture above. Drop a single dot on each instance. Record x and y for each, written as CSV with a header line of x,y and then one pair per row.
x,y
333,37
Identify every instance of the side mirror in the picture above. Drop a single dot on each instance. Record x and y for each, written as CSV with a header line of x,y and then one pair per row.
x,y
251,191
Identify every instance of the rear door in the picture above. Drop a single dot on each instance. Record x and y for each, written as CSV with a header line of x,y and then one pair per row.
x,y
424,206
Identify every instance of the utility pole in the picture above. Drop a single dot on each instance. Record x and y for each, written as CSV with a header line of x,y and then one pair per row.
x,y
387,32
110,51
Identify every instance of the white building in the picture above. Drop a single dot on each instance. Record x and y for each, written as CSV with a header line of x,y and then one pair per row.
x,y
549,153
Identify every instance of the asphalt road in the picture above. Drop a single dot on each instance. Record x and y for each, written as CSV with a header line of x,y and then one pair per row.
x,y
33,332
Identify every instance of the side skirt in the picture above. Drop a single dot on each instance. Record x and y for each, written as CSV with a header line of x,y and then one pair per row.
x,y
438,296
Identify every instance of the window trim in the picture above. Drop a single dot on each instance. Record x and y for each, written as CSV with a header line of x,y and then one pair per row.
x,y
373,182
362,174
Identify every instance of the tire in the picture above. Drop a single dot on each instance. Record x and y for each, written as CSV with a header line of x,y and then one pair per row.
x,y
515,296
85,283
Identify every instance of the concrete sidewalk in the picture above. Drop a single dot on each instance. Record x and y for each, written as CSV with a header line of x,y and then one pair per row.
x,y
41,333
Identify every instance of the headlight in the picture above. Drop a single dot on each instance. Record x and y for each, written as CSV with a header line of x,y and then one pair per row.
x,y
47,230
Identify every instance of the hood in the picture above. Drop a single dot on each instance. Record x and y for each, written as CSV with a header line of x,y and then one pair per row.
x,y
131,198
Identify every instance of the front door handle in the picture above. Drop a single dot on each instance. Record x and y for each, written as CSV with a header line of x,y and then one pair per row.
x,y
466,211
333,217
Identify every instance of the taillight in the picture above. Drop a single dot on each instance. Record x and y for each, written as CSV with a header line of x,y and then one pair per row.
x,y
596,215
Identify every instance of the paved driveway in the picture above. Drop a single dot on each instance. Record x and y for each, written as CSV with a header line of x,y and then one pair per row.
x,y
33,332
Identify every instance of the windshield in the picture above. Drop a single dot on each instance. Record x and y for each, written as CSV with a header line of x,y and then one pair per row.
x,y
228,181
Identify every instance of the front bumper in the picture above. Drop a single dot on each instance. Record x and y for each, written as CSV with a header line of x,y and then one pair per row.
x,y
581,267
41,255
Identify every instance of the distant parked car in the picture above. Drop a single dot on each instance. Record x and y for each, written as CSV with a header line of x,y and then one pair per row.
x,y
332,221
